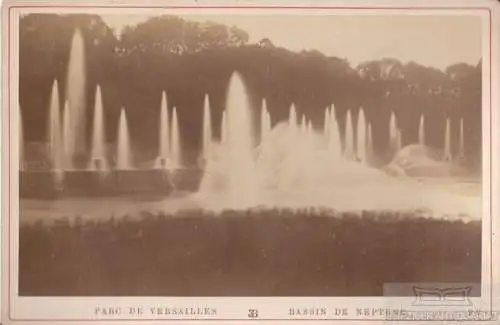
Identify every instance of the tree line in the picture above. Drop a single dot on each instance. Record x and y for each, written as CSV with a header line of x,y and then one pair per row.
x,y
190,59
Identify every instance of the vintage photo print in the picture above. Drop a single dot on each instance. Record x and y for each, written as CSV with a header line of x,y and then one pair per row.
x,y
249,162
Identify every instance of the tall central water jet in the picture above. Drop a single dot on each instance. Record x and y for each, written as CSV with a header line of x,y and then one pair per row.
x,y
54,127
123,155
75,94
242,175
176,140
98,160
207,130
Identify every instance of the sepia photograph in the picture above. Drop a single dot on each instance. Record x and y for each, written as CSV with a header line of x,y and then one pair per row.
x,y
209,155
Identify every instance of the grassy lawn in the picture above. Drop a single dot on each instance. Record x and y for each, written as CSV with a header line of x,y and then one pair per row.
x,y
252,253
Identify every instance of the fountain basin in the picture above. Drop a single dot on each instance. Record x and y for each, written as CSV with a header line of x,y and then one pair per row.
x,y
90,183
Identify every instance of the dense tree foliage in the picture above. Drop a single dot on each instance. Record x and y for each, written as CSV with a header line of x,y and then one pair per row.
x,y
189,59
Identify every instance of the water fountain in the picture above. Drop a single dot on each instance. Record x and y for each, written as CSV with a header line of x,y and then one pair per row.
x,y
349,137
361,137
292,119
447,142
303,125
369,140
66,137
98,156
269,124
334,140
461,144
242,186
395,133
421,130
326,124
75,94
123,154
310,134
207,130
176,141
265,120
54,130
164,135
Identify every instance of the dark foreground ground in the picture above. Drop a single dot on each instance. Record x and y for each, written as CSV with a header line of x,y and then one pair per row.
x,y
258,253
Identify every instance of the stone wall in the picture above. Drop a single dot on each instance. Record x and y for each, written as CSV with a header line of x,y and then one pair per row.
x,y
86,183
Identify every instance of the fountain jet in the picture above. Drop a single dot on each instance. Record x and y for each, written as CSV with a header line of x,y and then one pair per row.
x,y
163,135
303,125
75,94
207,130
461,144
309,133
242,175
98,160
369,140
361,137
326,124
334,142
54,128
223,127
67,142
123,154
447,141
292,119
421,130
176,141
349,137
395,133
265,120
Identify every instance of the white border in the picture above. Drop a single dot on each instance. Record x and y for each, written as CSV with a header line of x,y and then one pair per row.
x,y
237,308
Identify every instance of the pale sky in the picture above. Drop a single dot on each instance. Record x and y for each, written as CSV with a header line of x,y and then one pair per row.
x,y
436,41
